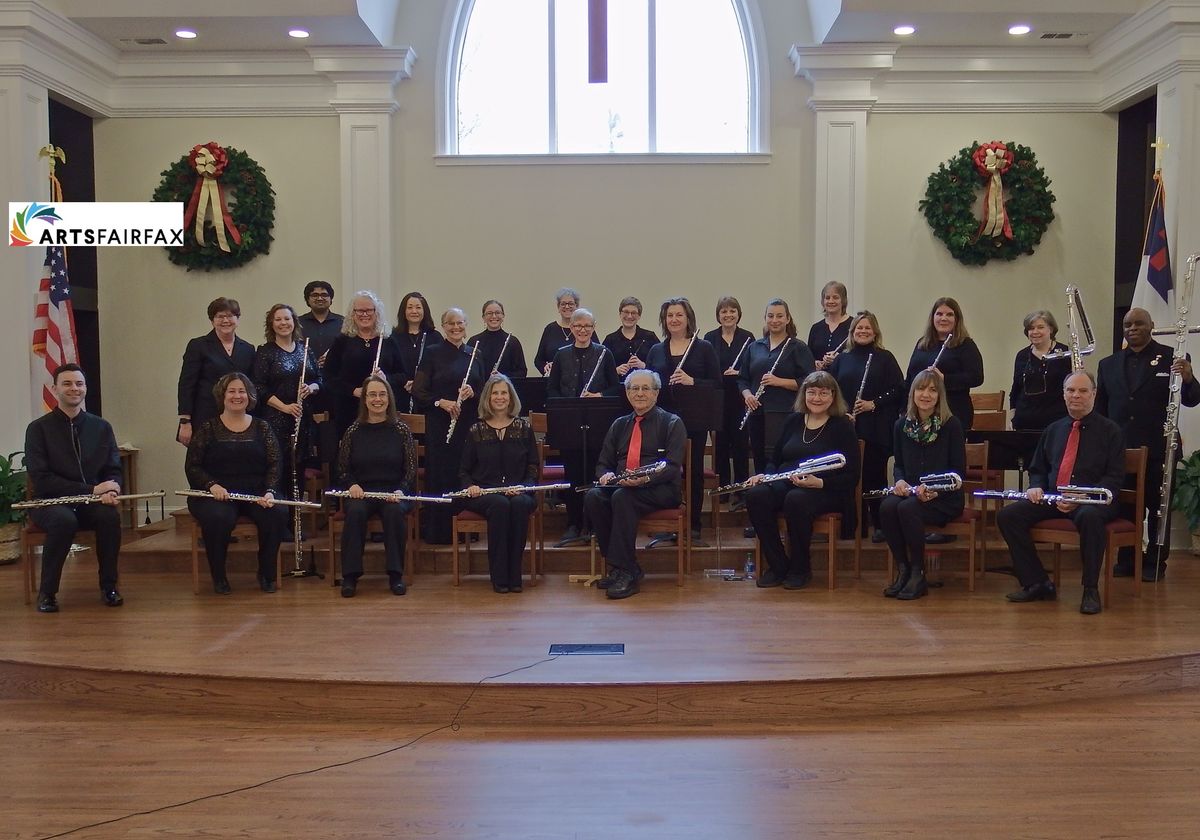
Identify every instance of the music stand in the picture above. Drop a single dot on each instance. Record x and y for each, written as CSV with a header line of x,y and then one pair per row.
x,y
1008,449
532,391
702,409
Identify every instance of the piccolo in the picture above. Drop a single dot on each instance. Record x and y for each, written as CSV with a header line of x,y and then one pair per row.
x,y
247,497
820,464
937,482
511,488
599,360
942,350
500,358
388,497
625,475
862,386
85,499
458,401
1067,493
762,389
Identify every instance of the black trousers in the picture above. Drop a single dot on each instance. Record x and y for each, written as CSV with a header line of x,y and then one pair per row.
x,y
1015,520
61,523
697,441
763,429
579,468
508,528
217,520
354,535
732,447
903,520
874,477
800,506
615,514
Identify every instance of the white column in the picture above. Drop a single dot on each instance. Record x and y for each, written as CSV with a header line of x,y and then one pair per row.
x,y
24,128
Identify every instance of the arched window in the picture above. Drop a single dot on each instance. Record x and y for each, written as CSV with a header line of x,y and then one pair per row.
x,y
682,77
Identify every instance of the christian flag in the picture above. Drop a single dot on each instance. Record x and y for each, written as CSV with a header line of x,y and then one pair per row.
x,y
1154,289
53,323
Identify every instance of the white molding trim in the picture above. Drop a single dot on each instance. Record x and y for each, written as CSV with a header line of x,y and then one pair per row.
x,y
661,159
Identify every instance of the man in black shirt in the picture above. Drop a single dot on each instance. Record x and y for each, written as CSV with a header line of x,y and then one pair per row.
x,y
1082,449
614,513
321,327
1134,389
70,452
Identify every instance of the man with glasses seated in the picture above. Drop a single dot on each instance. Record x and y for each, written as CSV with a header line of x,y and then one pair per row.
x,y
647,435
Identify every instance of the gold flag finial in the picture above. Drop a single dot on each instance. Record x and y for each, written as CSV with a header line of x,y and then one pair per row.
x,y
1159,146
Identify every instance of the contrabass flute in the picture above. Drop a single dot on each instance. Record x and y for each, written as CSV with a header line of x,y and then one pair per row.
x,y
937,482
388,497
296,523
1077,323
862,386
1068,493
820,464
511,488
84,499
1183,301
762,389
458,400
248,497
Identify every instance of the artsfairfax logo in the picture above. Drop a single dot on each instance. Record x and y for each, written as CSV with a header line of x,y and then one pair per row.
x,y
92,223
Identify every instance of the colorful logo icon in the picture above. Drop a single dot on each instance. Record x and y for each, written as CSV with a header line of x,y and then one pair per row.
x,y
18,233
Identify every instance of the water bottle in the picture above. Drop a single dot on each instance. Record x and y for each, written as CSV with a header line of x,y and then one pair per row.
x,y
748,568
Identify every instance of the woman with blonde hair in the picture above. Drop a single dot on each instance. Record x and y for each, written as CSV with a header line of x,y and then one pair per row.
x,y
352,358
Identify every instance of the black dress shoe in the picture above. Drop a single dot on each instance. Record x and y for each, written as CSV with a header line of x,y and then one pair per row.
x,y
398,587
769,580
499,590
939,539
1148,575
264,584
112,598
697,539
1043,591
569,537
894,588
1090,605
516,590
47,604
797,580
222,587
349,587
877,536
623,585
748,532
915,588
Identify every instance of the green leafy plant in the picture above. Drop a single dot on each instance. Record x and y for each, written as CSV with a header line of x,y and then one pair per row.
x,y
1186,496
12,489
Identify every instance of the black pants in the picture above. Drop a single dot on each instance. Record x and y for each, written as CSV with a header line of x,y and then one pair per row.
x,y
354,535
763,428
874,477
615,514
800,506
697,441
508,528
217,520
732,448
61,523
1015,520
442,461
903,520
579,467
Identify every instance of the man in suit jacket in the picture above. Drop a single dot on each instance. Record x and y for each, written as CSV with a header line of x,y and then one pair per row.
x,y
1134,392
70,452
1099,461
614,513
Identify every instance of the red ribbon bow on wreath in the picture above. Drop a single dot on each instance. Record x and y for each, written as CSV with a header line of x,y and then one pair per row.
x,y
991,161
209,162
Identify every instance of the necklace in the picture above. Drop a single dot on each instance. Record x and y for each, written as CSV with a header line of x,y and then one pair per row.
x,y
804,433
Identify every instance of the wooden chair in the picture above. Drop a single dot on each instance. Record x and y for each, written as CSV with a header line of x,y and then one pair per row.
x,y
659,521
1121,532
829,524
242,529
337,524
416,424
550,473
990,413
31,537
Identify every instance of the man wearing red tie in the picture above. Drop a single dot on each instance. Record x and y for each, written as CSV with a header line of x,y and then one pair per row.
x,y
647,435
1083,449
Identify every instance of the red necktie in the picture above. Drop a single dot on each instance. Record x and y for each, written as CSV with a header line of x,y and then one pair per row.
x,y
633,458
1068,462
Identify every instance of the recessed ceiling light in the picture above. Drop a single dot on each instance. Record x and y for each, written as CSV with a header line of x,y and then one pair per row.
x,y
904,30
187,34
298,33
1019,29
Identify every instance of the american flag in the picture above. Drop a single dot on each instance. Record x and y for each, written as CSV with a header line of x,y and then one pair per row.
x,y
54,322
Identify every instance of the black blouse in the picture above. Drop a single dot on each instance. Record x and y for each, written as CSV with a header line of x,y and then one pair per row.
x,y
277,374
822,340
701,364
349,362
489,460
796,444
491,344
554,337
884,386
378,457
241,462
573,367
623,348
412,348
962,368
1037,390
797,363
945,453
728,353
441,375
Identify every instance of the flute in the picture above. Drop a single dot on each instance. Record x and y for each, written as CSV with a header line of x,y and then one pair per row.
x,y
388,497
503,347
820,464
938,482
1067,493
862,386
85,499
625,475
247,497
296,523
300,399
591,378
412,406
378,350
511,488
458,402
734,363
1183,302
762,389
941,350
682,358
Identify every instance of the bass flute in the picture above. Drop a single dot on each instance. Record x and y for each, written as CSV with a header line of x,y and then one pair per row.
x,y
762,389
1067,493
648,469
511,488
937,482
84,499
820,464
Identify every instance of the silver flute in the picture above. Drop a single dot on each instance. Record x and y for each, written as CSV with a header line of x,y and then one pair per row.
x,y
1067,493
412,405
247,497
762,389
458,401
511,488
599,360
1183,301
1077,323
388,497
625,475
503,347
296,523
745,344
862,386
682,358
937,482
85,499
820,464
942,350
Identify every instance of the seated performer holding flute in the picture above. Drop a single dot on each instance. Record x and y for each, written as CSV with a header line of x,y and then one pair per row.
x,y
70,452
239,454
1081,449
377,455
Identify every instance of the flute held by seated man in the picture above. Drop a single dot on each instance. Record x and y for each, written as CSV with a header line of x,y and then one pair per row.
x,y
1067,494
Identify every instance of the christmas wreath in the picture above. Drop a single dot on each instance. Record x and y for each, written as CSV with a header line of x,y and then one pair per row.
x,y
229,207
1016,207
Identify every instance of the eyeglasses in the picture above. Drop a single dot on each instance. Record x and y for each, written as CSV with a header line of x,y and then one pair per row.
x,y
318,294
225,316
583,326
364,311
640,389
819,392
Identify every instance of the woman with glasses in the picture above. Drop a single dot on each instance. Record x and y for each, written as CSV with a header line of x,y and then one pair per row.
x,y
1037,390
352,358
630,344
414,336
499,351
818,427
205,360
557,333
581,369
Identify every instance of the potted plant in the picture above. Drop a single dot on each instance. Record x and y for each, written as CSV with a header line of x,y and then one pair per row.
x,y
1186,496
12,490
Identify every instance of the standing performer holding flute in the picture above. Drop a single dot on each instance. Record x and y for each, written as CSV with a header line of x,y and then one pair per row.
x,y
499,351
362,349
948,349
731,448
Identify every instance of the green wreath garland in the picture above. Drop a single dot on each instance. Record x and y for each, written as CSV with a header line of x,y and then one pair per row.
x,y
949,206
252,211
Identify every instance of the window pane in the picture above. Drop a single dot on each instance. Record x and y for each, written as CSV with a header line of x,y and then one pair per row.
x,y
610,117
503,79
703,90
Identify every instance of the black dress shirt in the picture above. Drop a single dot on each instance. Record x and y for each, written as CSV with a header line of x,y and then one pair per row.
x,y
663,439
623,348
321,333
884,386
1099,461
822,340
797,363
68,457
1133,391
